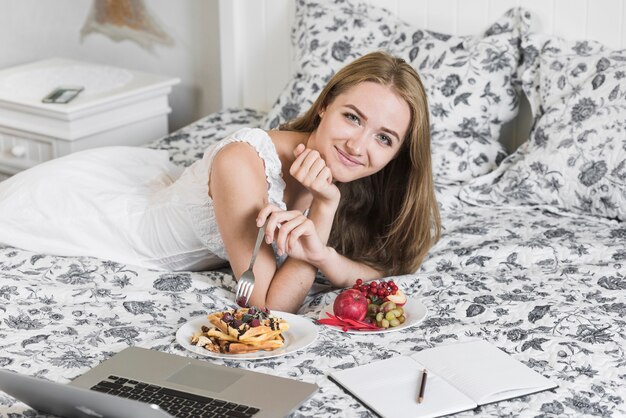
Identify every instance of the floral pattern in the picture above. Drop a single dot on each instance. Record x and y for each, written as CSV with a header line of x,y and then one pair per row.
x,y
575,159
469,79
547,289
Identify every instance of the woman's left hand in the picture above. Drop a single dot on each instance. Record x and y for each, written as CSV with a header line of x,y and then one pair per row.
x,y
293,233
310,169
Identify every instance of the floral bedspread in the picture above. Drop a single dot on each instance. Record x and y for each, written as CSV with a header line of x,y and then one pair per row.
x,y
548,289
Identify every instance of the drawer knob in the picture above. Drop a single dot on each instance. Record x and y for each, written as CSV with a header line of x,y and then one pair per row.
x,y
18,151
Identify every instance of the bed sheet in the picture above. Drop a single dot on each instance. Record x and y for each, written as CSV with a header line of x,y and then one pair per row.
x,y
547,289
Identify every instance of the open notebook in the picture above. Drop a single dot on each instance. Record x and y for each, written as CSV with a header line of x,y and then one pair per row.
x,y
460,377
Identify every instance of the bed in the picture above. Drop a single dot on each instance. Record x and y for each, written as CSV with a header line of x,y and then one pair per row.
x,y
530,166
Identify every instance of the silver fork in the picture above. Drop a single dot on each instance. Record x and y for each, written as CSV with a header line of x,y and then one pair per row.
x,y
246,281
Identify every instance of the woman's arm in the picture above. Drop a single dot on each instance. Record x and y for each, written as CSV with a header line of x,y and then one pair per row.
x,y
238,187
343,272
300,238
305,238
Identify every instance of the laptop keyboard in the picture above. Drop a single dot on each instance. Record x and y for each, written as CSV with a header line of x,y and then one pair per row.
x,y
176,403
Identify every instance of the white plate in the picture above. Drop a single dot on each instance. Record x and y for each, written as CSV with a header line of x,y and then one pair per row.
x,y
414,312
300,334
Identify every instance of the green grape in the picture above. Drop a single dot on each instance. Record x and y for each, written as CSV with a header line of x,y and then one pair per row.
x,y
402,318
384,323
387,306
390,315
397,312
379,316
394,322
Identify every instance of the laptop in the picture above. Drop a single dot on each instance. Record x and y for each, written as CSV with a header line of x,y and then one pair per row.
x,y
138,382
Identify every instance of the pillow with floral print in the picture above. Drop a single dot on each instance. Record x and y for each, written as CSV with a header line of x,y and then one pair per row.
x,y
469,79
575,158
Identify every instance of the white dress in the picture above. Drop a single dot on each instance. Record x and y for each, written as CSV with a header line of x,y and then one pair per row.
x,y
126,204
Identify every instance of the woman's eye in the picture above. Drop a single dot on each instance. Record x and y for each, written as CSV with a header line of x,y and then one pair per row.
x,y
385,139
353,118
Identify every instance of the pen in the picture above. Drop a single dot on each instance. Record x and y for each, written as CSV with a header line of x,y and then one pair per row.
x,y
422,386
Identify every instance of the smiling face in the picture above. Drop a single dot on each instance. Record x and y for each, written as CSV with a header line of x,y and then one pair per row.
x,y
361,130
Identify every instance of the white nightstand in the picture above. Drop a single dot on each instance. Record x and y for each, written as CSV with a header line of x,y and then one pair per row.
x,y
116,107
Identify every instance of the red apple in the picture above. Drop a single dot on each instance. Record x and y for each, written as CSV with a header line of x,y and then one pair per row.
x,y
399,298
351,304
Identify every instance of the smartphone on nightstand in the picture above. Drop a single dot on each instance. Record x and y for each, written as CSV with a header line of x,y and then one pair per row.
x,y
62,94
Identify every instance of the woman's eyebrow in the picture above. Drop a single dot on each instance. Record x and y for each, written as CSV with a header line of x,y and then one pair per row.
x,y
358,112
362,116
390,132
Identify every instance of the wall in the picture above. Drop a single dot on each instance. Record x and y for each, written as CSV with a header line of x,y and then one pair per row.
x,y
31,30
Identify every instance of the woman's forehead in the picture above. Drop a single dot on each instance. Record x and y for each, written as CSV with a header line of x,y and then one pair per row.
x,y
379,103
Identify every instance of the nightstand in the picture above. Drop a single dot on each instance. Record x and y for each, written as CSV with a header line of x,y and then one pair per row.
x,y
116,107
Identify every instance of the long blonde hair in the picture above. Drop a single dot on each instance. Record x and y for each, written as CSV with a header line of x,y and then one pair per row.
x,y
388,220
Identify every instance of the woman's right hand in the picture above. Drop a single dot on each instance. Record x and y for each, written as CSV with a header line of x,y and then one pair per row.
x,y
311,171
293,233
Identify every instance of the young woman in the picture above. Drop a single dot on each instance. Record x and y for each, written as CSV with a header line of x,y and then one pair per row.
x,y
345,189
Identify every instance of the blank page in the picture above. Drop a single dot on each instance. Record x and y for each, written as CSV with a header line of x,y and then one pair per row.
x,y
389,387
483,371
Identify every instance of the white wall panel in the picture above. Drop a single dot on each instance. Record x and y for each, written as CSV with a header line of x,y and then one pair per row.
x,y
473,16
279,62
622,25
572,18
254,60
443,16
603,21
413,11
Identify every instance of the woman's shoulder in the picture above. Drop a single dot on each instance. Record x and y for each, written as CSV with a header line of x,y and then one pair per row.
x,y
237,155
241,144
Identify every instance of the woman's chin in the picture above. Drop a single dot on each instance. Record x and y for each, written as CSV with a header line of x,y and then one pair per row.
x,y
343,177
344,174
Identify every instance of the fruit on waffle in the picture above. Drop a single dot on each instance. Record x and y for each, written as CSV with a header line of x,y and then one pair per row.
x,y
242,330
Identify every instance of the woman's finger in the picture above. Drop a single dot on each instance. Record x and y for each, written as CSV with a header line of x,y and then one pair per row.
x,y
303,167
305,228
308,177
299,149
265,216
276,221
299,161
265,213
323,179
285,230
307,170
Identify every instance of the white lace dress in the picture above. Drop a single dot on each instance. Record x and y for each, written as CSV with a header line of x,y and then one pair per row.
x,y
126,204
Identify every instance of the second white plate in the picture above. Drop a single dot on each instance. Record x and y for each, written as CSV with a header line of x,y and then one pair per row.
x,y
414,311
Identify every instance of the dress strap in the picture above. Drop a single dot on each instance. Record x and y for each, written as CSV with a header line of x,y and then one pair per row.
x,y
262,143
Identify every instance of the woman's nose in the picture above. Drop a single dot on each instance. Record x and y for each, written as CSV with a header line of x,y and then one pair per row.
x,y
356,143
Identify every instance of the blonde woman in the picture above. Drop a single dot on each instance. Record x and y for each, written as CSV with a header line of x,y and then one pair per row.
x,y
358,164
345,189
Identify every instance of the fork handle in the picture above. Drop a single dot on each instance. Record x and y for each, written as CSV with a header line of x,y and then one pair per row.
x,y
257,244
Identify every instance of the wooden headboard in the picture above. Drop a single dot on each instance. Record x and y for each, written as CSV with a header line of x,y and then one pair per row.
x,y
256,51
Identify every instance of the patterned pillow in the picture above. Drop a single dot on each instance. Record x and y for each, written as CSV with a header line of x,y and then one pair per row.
x,y
575,159
469,79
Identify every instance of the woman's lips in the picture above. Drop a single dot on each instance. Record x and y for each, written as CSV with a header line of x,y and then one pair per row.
x,y
346,159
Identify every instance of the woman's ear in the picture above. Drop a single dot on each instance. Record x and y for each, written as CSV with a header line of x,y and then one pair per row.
x,y
321,112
